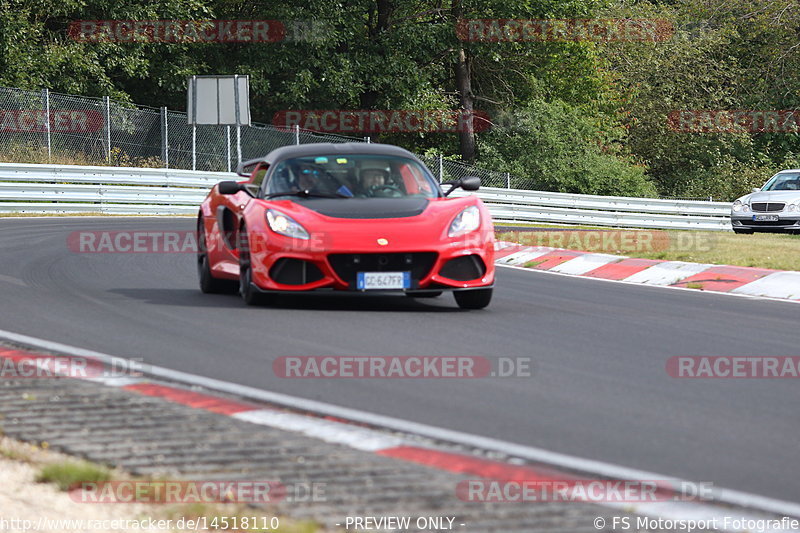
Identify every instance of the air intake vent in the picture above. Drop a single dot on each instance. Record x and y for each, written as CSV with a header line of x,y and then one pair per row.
x,y
290,271
464,268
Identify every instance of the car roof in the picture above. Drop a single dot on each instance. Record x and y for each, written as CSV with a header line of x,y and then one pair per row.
x,y
302,150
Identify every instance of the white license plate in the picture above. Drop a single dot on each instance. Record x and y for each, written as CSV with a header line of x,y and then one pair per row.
x,y
383,280
766,218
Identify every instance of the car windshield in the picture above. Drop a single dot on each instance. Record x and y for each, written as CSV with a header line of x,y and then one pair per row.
x,y
351,176
784,181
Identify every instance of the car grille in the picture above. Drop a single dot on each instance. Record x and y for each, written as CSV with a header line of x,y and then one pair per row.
x,y
767,207
769,222
347,266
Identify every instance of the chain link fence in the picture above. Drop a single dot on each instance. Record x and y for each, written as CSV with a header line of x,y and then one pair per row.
x,y
42,126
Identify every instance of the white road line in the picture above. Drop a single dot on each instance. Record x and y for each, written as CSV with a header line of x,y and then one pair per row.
x,y
540,455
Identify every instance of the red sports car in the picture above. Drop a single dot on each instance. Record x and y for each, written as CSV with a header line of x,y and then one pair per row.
x,y
348,217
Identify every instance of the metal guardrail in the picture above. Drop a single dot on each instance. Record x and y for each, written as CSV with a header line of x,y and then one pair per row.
x,y
28,188
617,211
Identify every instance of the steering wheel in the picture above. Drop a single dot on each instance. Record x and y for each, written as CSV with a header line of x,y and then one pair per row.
x,y
388,191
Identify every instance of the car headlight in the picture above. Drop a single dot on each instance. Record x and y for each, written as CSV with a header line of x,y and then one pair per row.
x,y
794,207
738,205
467,220
285,225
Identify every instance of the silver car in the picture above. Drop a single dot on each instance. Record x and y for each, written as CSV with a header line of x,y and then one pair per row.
x,y
773,207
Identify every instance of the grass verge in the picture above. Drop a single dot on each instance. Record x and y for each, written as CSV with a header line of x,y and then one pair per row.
x,y
68,475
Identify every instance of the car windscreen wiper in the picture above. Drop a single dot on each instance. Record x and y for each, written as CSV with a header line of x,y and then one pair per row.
x,y
308,194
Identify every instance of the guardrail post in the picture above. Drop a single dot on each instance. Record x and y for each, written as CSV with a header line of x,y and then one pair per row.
x,y
46,102
194,146
164,137
228,146
238,120
107,105
368,140
296,134
508,180
441,169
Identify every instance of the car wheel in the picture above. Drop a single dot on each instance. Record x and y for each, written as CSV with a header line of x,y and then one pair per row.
x,y
208,283
743,231
250,295
473,299
424,294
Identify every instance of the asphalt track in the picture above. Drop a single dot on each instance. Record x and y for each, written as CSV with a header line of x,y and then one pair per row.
x,y
599,391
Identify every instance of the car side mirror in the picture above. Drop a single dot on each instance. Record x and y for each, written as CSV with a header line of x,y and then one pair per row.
x,y
756,189
470,183
230,187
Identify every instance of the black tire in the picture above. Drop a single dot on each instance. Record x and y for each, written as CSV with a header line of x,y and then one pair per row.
x,y
208,283
250,295
424,294
473,299
741,231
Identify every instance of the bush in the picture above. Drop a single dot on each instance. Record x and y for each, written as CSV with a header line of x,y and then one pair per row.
x,y
557,147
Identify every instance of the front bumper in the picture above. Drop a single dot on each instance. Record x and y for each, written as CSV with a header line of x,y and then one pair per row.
x,y
787,222
279,266
410,292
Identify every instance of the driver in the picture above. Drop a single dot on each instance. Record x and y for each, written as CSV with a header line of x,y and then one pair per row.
x,y
308,177
373,175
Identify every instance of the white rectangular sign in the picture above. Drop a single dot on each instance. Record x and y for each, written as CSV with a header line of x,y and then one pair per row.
x,y
213,99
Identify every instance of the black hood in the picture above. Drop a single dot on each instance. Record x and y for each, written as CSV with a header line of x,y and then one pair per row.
x,y
366,207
